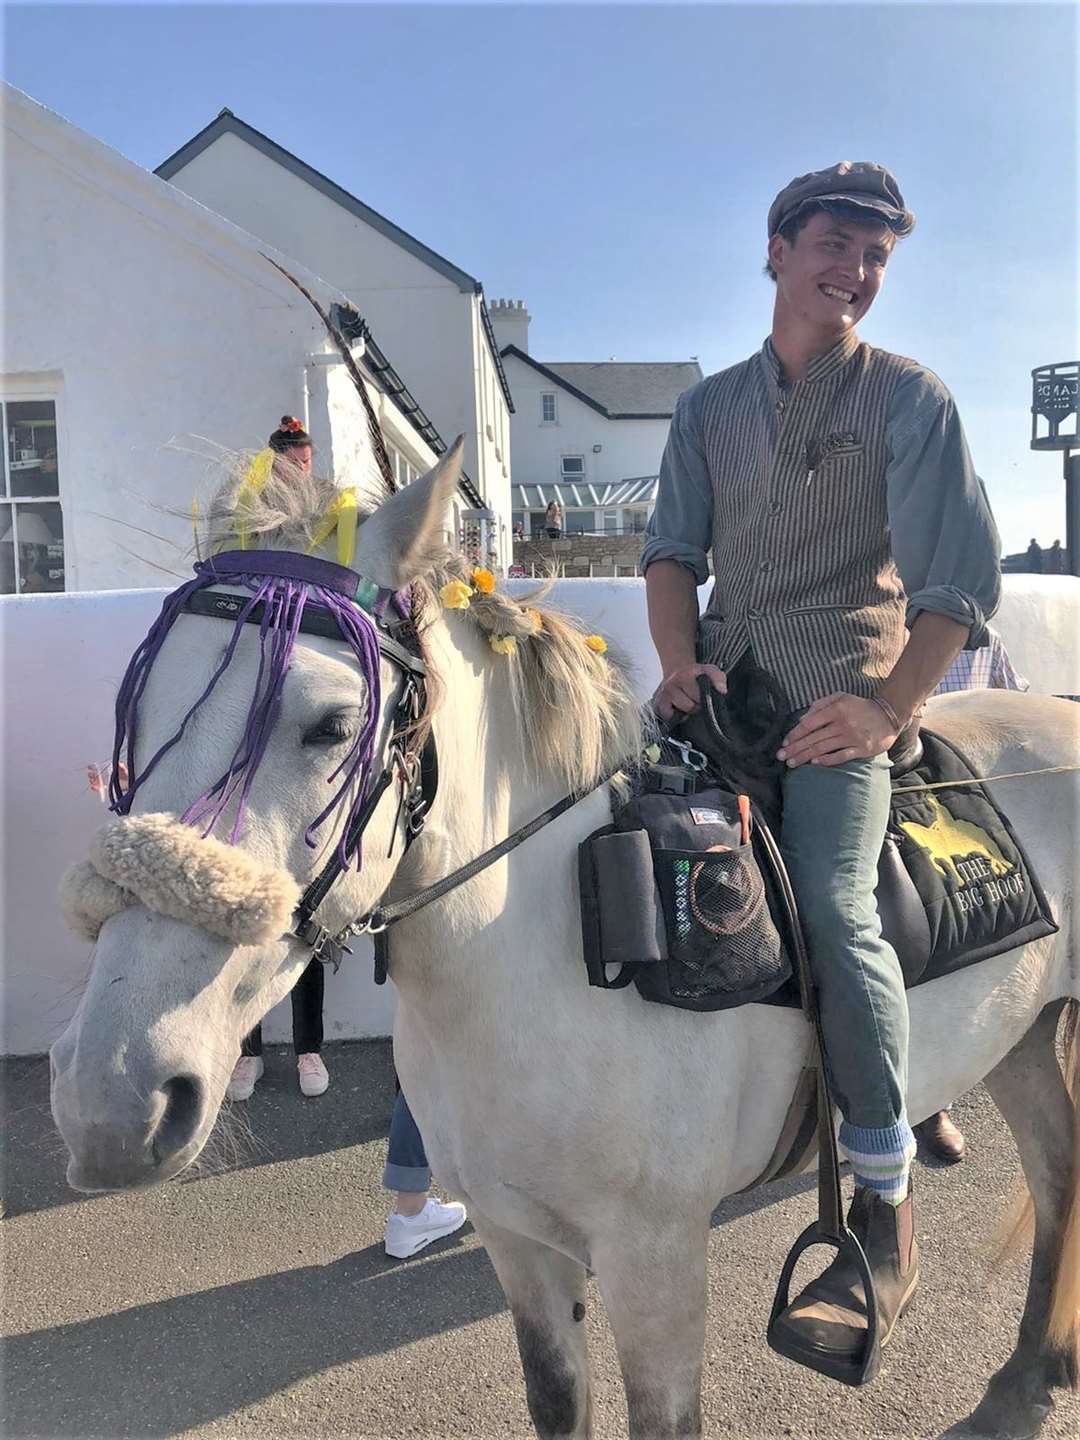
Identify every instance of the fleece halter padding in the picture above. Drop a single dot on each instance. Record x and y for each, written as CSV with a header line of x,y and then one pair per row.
x,y
156,861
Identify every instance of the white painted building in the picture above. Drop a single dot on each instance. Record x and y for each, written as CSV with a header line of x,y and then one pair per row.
x,y
589,435
76,646
429,313
133,315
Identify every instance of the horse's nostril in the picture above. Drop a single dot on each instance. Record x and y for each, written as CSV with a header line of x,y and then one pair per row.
x,y
183,1106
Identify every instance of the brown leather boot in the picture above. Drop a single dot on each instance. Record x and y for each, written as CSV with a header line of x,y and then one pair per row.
x,y
941,1137
828,1320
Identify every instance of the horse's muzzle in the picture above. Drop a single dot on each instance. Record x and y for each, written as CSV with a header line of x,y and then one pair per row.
x,y
119,1136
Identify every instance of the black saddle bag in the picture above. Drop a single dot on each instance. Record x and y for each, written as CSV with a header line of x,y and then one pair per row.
x,y
671,896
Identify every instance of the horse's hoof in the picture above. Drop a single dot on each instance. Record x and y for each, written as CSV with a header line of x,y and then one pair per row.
x,y
1003,1418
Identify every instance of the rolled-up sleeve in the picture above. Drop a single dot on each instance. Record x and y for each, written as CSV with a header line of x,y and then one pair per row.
x,y
680,527
944,539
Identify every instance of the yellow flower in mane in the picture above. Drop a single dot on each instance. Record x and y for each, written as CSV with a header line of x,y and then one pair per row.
x,y
455,595
596,643
536,620
484,581
502,644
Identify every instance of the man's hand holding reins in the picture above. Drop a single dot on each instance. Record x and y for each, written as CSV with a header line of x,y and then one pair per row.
x,y
678,692
838,728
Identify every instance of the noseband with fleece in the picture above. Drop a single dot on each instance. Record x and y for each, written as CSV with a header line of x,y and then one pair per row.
x,y
156,861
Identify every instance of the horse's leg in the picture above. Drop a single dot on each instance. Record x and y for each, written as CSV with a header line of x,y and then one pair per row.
x,y
546,1291
653,1282
1029,1090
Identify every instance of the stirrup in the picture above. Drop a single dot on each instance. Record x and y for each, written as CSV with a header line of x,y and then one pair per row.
x,y
856,1370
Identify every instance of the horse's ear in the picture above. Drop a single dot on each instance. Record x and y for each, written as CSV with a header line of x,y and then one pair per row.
x,y
402,538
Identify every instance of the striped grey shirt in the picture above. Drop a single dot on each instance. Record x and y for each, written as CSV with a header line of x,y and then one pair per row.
x,y
835,508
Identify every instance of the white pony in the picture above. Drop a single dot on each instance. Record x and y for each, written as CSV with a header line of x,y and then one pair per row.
x,y
584,1130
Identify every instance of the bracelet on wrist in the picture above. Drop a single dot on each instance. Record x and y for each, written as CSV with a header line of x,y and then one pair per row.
x,y
888,711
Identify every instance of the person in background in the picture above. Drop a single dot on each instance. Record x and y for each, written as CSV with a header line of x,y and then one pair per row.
x,y
553,519
1034,558
418,1217
1055,560
292,442
987,669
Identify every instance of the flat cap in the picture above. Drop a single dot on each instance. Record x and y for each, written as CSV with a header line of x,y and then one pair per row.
x,y
855,182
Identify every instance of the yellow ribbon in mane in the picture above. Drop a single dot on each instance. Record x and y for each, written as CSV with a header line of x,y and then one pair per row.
x,y
341,514
252,486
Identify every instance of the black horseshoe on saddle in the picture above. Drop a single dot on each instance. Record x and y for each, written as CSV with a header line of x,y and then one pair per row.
x,y
749,723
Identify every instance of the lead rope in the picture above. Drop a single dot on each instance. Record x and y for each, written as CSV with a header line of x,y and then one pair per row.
x,y
987,779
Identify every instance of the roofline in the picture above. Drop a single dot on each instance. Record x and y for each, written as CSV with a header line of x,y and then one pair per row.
x,y
485,320
587,399
354,327
226,123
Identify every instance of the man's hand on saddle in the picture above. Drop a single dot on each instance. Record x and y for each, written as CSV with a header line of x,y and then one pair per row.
x,y
678,693
838,728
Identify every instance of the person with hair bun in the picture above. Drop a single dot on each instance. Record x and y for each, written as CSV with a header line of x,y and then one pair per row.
x,y
292,440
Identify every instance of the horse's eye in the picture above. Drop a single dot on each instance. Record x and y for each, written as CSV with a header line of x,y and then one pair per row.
x,y
332,729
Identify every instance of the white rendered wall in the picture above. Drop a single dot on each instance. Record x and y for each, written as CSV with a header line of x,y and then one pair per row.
x,y
63,658
629,447
429,328
148,318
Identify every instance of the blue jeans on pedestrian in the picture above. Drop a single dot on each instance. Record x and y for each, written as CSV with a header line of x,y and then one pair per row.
x,y
834,824
406,1163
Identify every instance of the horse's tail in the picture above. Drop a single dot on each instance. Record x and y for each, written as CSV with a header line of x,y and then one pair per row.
x,y
1063,1328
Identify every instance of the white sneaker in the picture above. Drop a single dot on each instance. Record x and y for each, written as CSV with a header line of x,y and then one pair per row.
x,y
246,1073
408,1234
312,1072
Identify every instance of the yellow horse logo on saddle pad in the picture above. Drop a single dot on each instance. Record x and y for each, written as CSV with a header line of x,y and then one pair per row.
x,y
957,847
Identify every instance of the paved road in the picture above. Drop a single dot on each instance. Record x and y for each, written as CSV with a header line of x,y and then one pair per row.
x,y
254,1298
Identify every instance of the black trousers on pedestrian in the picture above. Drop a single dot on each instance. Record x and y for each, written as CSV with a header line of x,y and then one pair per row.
x,y
307,1014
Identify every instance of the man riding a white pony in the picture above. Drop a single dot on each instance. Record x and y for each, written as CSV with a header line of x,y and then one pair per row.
x,y
832,483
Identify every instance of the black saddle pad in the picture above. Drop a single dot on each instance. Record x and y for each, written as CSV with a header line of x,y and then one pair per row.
x,y
954,884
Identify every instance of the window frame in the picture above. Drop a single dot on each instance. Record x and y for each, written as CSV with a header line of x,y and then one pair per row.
x,y
40,391
551,395
571,477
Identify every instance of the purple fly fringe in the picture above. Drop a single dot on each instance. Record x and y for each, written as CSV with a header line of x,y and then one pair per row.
x,y
284,600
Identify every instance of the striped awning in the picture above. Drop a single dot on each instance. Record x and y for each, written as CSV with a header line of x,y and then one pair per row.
x,y
581,496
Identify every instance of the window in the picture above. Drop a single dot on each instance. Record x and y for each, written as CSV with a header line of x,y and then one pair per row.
x,y
404,473
573,468
31,520
548,413
611,522
580,522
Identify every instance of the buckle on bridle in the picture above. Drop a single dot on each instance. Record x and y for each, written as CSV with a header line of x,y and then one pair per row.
x,y
324,944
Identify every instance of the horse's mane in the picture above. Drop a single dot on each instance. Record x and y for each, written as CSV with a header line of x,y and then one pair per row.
x,y
577,715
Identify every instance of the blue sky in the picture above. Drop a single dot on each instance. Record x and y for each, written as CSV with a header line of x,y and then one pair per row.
x,y
613,166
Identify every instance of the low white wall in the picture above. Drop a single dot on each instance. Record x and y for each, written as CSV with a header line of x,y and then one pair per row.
x,y
63,658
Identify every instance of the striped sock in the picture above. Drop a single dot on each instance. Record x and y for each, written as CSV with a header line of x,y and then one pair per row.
x,y
881,1159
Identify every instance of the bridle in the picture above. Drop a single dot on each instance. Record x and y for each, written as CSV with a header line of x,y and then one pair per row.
x,y
415,766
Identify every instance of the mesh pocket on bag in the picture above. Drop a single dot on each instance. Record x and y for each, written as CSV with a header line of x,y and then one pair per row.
x,y
721,937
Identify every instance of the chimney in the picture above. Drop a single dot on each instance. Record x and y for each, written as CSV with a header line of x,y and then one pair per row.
x,y
510,321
